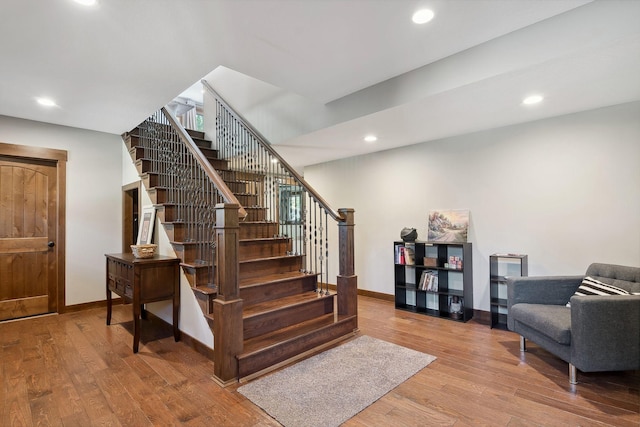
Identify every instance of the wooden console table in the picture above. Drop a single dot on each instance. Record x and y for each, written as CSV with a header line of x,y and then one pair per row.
x,y
143,280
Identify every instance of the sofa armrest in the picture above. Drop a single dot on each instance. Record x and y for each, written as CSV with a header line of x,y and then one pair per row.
x,y
605,332
554,290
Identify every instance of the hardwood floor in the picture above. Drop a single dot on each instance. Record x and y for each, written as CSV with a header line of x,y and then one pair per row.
x,y
73,370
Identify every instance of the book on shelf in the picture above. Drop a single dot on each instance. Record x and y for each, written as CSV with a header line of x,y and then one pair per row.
x,y
433,283
410,254
428,281
400,255
421,283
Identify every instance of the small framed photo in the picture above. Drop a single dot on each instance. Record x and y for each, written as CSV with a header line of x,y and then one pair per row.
x,y
145,229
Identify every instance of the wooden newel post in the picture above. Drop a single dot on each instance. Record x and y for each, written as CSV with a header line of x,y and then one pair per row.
x,y
227,307
347,280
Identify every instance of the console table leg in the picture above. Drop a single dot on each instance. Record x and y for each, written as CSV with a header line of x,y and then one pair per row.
x,y
136,327
108,306
176,312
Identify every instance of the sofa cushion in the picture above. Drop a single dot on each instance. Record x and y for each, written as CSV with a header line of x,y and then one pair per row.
x,y
591,286
554,321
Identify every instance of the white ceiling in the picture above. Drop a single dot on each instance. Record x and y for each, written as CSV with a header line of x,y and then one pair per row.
x,y
355,66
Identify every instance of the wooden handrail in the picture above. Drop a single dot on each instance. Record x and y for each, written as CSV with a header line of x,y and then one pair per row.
x,y
227,194
337,216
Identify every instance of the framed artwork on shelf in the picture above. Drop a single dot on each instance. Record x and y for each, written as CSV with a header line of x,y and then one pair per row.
x,y
145,231
451,226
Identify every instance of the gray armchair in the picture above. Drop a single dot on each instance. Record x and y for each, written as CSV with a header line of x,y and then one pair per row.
x,y
597,333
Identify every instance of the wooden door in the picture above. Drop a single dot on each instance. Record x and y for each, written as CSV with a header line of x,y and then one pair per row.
x,y
28,230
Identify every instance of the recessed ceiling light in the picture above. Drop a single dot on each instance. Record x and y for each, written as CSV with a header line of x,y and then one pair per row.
x,y
533,99
47,102
422,16
87,2
370,138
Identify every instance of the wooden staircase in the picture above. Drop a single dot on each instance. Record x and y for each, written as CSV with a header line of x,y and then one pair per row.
x,y
284,316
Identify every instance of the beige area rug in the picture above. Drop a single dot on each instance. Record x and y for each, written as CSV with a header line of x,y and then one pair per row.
x,y
333,386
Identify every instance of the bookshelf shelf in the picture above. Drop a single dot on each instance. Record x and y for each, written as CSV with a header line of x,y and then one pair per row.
x,y
435,279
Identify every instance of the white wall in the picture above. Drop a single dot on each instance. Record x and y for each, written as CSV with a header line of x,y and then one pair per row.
x,y
565,191
93,202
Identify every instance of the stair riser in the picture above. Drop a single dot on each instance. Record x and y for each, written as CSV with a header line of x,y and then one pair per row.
x,y
149,180
197,276
218,164
158,195
175,234
246,199
143,166
273,355
196,134
136,153
271,291
251,177
237,186
258,231
166,213
205,302
202,143
271,266
132,141
263,249
256,214
186,253
287,316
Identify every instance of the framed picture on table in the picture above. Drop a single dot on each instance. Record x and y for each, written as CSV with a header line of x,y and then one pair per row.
x,y
145,231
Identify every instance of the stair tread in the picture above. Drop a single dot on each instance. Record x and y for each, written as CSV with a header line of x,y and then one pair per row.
x,y
270,258
288,301
195,266
272,278
264,239
264,342
207,290
259,222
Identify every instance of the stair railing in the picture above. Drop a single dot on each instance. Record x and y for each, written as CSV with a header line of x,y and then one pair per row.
x,y
300,212
192,186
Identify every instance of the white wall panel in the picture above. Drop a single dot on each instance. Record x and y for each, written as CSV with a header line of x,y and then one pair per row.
x,y
565,191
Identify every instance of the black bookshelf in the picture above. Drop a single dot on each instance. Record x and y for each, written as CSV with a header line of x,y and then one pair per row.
x,y
446,270
502,266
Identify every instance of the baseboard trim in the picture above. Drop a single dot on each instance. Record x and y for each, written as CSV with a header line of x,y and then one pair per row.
x,y
366,293
88,305
480,316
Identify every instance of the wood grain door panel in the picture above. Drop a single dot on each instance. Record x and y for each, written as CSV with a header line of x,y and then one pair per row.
x,y
27,224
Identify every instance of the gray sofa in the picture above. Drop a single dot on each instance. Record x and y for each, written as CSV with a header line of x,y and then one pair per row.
x,y
596,333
